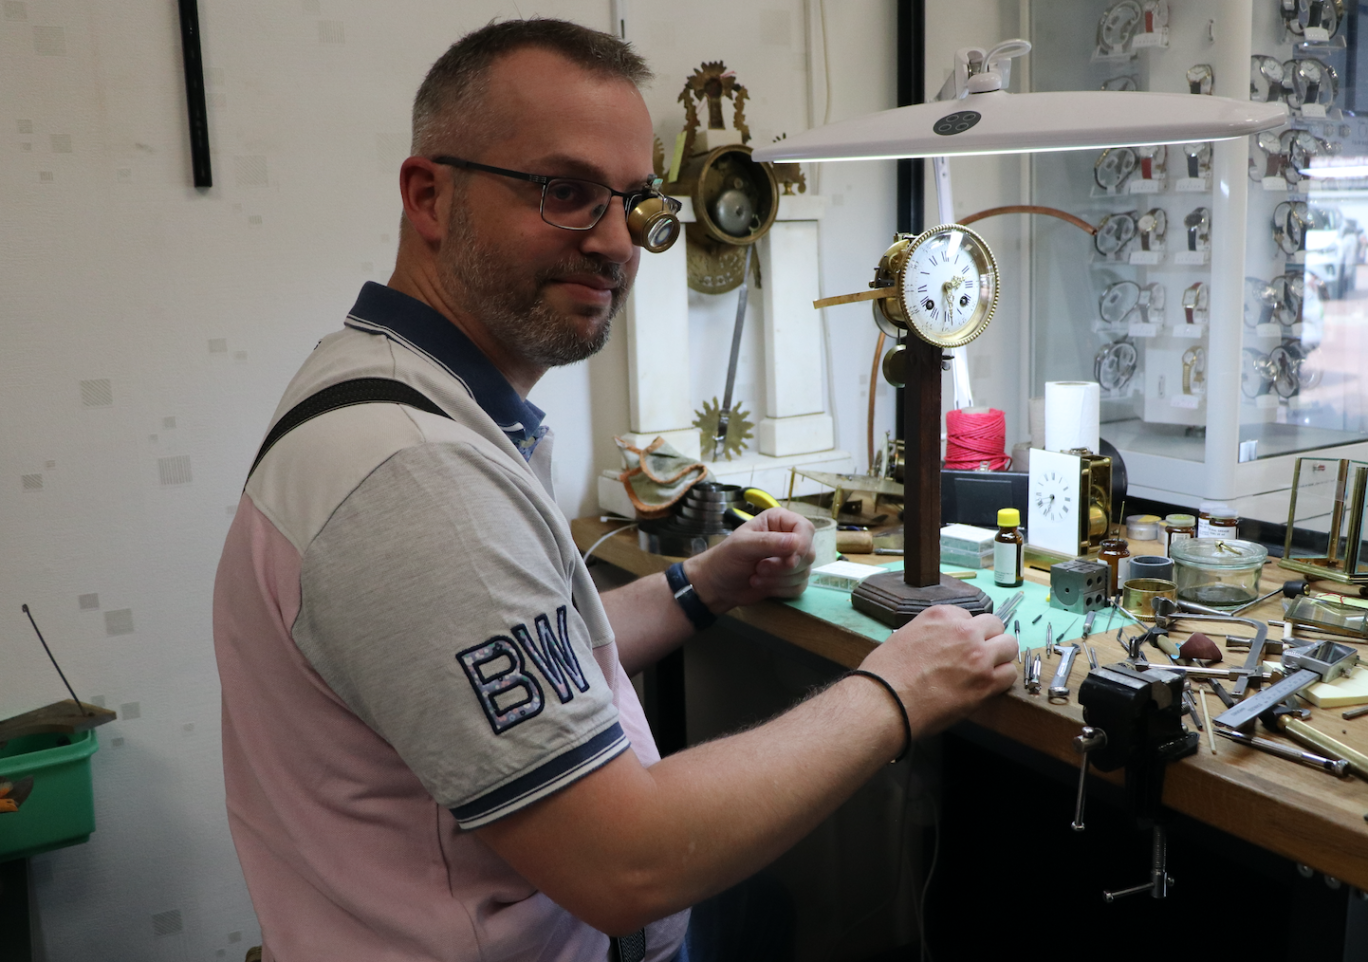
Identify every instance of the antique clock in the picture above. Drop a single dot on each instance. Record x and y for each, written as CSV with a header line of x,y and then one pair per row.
x,y
941,288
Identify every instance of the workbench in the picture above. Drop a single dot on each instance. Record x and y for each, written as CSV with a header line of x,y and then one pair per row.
x,y
1305,815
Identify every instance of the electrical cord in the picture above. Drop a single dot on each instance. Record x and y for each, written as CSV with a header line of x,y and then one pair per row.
x,y
590,550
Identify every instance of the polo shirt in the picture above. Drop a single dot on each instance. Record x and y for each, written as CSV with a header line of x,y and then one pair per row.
x,y
410,647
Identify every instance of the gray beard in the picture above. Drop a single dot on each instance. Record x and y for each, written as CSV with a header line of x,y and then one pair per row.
x,y
511,305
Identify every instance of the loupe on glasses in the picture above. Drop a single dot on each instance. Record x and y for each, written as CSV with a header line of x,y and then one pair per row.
x,y
654,223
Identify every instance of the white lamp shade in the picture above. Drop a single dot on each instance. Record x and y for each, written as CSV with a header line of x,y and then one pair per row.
x,y
1010,123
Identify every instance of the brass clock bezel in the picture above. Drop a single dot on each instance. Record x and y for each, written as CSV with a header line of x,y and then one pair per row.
x,y
900,255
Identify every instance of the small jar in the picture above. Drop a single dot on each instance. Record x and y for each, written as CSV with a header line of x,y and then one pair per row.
x,y
1116,553
1143,527
1178,527
1216,519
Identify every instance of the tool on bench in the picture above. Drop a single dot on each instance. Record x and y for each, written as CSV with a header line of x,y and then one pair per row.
x,y
1049,640
1201,671
1168,612
1303,668
1010,606
1032,679
1331,617
1088,623
1335,766
1092,657
1138,716
1226,697
1285,720
1355,712
1059,687
1289,589
1191,706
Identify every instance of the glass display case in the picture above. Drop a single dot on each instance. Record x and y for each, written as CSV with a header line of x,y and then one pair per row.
x,y
1218,304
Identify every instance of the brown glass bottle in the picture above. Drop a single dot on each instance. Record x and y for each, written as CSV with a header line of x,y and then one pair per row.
x,y
1008,549
1116,553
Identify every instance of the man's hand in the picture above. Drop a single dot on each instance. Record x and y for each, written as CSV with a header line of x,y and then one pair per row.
x,y
945,663
768,556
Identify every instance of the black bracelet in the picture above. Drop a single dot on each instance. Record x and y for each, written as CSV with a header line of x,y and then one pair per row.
x,y
907,723
694,608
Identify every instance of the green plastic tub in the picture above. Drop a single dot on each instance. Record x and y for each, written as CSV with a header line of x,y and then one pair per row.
x,y
61,809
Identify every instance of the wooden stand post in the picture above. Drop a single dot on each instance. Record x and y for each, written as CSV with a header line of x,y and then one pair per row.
x,y
896,599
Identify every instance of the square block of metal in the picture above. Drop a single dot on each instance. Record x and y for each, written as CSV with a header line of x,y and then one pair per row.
x,y
1079,586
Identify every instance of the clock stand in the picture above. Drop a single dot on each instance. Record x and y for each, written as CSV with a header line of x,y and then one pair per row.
x,y
896,597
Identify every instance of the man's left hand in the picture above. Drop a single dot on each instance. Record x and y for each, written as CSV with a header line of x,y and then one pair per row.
x,y
768,556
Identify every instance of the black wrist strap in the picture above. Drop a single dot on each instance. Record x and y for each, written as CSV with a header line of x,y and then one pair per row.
x,y
694,608
907,723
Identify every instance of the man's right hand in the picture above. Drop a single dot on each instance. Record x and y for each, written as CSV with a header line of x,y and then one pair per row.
x,y
945,663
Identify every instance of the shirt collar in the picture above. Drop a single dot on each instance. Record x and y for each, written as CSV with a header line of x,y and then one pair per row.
x,y
410,322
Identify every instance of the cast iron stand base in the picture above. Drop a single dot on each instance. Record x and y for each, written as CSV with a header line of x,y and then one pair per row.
x,y
890,600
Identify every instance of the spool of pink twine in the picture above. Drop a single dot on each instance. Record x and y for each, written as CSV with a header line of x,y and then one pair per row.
x,y
974,440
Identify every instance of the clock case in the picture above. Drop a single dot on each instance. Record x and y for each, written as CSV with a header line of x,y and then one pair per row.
x,y
1089,480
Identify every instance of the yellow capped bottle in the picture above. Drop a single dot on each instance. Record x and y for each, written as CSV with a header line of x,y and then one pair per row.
x,y
1008,549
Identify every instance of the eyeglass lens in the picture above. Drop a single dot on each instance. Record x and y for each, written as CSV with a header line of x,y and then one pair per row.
x,y
576,204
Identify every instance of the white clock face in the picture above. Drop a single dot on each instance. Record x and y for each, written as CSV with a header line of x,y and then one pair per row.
x,y
1051,497
1057,502
948,286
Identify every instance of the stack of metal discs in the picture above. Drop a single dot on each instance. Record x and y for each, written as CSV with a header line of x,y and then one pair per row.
x,y
698,521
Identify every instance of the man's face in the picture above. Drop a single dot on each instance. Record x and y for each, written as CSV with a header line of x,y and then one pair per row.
x,y
546,294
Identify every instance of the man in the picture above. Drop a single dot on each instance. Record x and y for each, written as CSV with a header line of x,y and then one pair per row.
x,y
431,747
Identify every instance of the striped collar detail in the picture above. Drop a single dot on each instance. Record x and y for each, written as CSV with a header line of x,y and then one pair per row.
x,y
421,329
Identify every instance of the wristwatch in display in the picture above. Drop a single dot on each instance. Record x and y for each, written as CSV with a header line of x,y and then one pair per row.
x,y
1298,147
1283,367
1198,224
1194,371
1195,302
1114,232
1288,289
1256,373
1151,298
1200,78
1113,166
1156,15
1290,95
1314,82
1303,15
1290,221
1265,78
1114,365
1260,302
1153,159
1117,26
1265,156
1198,158
1151,226
1127,82
1118,301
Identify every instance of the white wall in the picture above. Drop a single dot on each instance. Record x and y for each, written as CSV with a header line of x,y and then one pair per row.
x,y
148,329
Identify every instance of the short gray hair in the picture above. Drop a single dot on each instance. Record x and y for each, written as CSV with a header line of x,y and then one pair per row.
x,y
450,95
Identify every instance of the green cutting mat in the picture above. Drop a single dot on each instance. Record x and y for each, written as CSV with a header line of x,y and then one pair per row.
x,y
833,606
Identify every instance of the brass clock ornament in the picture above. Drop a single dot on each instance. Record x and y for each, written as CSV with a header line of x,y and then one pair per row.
x,y
942,285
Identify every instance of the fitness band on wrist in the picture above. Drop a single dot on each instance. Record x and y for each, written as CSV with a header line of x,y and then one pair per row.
x,y
694,608
907,723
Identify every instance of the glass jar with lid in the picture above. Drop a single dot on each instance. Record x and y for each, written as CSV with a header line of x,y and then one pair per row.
x,y
1177,527
1217,572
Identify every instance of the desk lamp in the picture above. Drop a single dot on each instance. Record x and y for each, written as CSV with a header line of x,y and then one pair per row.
x,y
974,114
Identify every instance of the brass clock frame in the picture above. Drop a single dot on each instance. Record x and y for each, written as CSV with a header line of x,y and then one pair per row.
x,y
892,272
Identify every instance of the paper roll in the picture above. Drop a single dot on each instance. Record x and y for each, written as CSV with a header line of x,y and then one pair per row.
x,y
1072,415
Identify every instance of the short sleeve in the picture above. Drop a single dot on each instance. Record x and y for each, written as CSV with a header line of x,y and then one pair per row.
x,y
437,603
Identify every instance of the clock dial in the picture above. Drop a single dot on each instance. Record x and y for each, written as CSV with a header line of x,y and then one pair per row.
x,y
1052,498
1058,502
948,286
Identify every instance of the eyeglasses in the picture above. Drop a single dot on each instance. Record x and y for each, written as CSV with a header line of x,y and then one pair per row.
x,y
573,204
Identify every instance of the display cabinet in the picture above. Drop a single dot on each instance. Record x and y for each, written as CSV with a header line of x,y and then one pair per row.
x,y
1218,304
